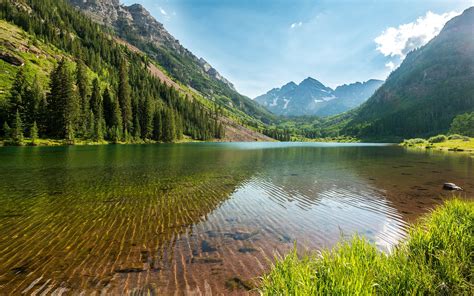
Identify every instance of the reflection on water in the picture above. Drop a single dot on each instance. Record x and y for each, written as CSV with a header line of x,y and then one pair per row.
x,y
200,217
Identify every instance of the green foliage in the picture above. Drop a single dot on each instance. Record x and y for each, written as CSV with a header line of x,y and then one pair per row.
x,y
17,130
463,124
438,139
456,137
414,142
6,130
283,135
436,259
34,134
63,104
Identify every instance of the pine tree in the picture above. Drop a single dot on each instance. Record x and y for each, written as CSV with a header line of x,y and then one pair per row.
x,y
124,98
157,126
98,131
34,133
18,93
137,132
82,84
96,100
63,105
42,116
168,129
17,131
147,118
108,105
6,130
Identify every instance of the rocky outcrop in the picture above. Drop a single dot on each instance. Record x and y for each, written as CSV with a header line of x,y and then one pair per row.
x,y
11,59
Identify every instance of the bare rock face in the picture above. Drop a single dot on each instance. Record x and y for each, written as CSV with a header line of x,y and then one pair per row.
x,y
11,59
105,12
135,18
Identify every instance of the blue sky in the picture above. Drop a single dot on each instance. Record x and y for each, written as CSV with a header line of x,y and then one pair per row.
x,y
262,44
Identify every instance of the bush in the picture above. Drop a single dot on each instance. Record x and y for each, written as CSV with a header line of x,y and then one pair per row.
x,y
435,260
438,139
463,124
456,137
413,142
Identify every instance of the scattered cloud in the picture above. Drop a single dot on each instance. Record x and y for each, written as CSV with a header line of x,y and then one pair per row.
x,y
296,25
391,65
162,11
406,37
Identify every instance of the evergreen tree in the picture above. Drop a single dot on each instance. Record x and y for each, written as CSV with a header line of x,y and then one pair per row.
x,y
168,128
63,106
6,130
96,100
34,133
82,84
98,131
124,98
31,102
18,93
147,118
17,131
109,108
157,126
137,132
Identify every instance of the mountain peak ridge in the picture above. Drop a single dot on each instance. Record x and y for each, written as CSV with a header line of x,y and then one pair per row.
x,y
312,97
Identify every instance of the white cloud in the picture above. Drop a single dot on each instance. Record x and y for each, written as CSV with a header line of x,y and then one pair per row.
x,y
162,11
406,37
296,25
390,65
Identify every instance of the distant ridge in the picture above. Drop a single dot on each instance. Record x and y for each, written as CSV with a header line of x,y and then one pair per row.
x,y
311,97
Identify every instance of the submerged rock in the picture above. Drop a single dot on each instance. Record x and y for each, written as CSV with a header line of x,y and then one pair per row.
x,y
452,187
238,284
206,260
206,247
246,250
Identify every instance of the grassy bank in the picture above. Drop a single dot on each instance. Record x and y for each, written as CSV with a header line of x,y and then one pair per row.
x,y
82,142
437,258
444,143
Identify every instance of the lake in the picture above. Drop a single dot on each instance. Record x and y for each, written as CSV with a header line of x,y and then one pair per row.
x,y
201,217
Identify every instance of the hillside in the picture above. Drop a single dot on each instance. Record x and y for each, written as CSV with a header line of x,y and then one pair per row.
x,y
311,97
138,27
52,43
432,85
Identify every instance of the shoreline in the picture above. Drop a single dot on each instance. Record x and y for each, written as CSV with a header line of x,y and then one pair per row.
x,y
454,145
433,259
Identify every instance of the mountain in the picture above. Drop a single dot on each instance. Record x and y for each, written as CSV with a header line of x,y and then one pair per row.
x,y
432,85
139,28
311,97
71,79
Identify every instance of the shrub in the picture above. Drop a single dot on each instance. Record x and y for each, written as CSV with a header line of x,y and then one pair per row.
x,y
456,137
413,142
438,139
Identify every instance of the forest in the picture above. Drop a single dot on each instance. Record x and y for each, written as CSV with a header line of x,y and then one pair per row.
x,y
98,89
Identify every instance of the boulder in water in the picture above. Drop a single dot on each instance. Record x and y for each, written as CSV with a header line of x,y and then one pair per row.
x,y
451,187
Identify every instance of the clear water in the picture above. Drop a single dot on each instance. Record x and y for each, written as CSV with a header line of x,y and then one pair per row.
x,y
199,218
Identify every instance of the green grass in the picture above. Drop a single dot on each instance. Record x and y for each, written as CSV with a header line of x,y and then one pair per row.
x,y
450,143
436,259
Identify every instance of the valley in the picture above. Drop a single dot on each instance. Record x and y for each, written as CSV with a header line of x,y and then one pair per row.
x,y
131,165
